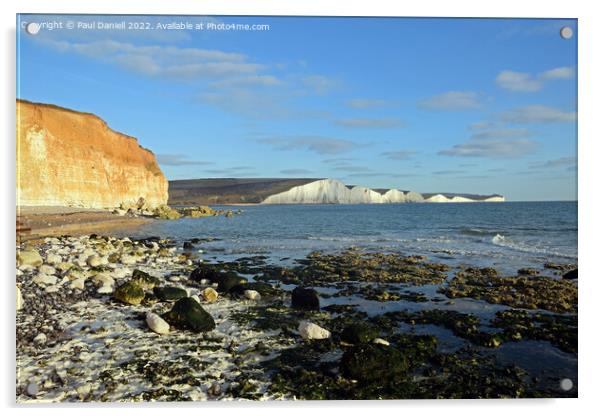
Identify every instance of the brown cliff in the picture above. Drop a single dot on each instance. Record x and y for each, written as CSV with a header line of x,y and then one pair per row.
x,y
69,158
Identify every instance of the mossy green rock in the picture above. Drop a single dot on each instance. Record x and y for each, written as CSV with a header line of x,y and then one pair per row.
x,y
144,280
359,332
373,362
187,313
165,212
129,293
169,293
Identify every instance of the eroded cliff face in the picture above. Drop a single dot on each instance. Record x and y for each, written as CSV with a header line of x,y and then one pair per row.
x,y
68,158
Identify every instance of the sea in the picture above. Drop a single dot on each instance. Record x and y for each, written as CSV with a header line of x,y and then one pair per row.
x,y
508,235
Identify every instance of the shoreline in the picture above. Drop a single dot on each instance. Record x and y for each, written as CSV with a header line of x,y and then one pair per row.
x,y
77,342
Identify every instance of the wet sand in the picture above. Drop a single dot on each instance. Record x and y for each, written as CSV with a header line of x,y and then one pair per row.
x,y
37,222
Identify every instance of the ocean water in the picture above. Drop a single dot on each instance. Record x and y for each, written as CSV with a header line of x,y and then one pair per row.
x,y
506,235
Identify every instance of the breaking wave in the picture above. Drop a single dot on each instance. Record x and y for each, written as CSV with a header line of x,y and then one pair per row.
x,y
502,241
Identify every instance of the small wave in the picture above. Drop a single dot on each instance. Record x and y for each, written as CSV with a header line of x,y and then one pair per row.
x,y
477,231
502,241
358,239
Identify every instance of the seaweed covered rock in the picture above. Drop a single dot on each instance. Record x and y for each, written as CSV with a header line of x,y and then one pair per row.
x,y
169,293
144,280
188,314
129,293
359,332
165,212
306,299
373,362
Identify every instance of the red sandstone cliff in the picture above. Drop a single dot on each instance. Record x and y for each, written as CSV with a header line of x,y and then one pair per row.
x,y
69,158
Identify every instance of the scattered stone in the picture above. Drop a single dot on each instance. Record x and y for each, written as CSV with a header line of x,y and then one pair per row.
x,y
19,299
528,271
381,341
29,257
215,389
309,330
157,324
32,389
45,280
129,293
189,314
46,269
78,283
305,298
40,339
169,293
145,280
188,245
252,295
210,294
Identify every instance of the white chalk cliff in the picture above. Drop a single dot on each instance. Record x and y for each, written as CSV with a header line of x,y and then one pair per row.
x,y
332,191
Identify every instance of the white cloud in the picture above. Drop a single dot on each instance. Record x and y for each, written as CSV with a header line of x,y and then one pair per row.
x,y
316,144
452,100
384,123
399,154
363,103
495,144
319,84
518,81
538,114
525,82
178,159
252,80
564,72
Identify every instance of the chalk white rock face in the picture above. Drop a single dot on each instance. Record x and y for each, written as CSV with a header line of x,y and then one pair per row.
x,y
324,191
252,295
437,198
414,197
394,196
363,195
157,324
309,330
495,199
461,199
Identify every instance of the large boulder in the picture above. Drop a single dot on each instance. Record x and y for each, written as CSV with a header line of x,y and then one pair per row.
x,y
187,313
169,293
129,293
359,332
144,280
165,212
306,299
373,363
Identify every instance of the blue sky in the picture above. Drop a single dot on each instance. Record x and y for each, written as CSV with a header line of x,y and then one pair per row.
x,y
431,105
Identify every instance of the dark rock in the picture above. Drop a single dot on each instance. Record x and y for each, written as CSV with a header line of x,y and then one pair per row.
x,y
528,271
205,271
187,313
227,280
129,293
373,363
571,274
265,289
306,298
188,245
169,293
359,332
144,280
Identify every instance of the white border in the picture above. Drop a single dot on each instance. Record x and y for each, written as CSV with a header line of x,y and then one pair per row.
x,y
590,24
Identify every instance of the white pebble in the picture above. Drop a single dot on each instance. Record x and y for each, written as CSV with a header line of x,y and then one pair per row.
x,y
380,341
19,299
309,330
157,324
33,389
252,295
40,338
